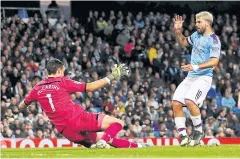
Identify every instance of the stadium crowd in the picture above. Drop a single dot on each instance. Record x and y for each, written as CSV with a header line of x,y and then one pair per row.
x,y
146,43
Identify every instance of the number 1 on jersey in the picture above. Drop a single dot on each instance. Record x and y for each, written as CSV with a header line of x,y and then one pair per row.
x,y
51,102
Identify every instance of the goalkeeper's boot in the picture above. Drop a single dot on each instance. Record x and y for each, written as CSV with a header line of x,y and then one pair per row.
x,y
184,140
101,144
196,138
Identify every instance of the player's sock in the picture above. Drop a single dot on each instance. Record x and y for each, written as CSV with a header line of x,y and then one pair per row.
x,y
197,122
181,126
111,131
122,143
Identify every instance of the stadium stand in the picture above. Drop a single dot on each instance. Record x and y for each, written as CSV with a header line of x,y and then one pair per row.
x,y
143,100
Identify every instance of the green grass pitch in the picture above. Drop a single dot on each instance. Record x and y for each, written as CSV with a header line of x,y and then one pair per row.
x,y
223,151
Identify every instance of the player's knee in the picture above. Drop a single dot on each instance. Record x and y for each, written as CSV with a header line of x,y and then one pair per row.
x,y
176,105
188,102
121,122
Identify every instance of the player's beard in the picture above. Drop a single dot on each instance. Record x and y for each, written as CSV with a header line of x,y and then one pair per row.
x,y
202,30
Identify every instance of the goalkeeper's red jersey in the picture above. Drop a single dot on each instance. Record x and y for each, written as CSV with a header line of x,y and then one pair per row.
x,y
53,94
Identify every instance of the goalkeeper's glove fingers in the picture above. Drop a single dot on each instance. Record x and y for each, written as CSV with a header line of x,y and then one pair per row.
x,y
124,71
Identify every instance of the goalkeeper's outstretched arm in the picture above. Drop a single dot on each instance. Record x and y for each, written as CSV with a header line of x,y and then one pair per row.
x,y
117,73
92,86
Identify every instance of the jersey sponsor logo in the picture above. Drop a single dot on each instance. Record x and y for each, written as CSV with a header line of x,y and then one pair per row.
x,y
197,50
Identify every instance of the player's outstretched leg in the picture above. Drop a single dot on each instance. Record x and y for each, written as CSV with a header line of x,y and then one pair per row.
x,y
180,120
120,143
197,133
111,126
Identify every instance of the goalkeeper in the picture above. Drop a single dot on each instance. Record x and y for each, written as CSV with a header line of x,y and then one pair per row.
x,y
92,130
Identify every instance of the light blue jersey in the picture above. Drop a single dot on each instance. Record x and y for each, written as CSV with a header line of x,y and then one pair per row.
x,y
204,47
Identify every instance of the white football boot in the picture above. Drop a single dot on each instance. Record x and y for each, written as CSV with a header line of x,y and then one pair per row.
x,y
101,144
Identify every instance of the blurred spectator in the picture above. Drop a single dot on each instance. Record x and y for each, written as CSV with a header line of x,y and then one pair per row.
x,y
101,24
123,38
228,100
53,13
107,106
153,113
137,128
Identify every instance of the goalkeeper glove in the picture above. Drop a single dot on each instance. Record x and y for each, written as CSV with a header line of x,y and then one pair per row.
x,y
118,72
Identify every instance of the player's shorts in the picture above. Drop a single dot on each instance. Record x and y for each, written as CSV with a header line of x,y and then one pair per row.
x,y
194,89
83,128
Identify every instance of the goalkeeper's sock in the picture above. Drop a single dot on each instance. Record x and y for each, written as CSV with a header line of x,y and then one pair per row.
x,y
181,126
122,143
111,131
197,122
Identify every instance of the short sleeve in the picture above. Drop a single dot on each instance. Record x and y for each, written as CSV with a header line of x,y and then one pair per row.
x,y
215,48
191,38
74,86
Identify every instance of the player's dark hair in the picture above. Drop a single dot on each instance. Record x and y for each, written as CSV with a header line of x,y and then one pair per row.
x,y
53,66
